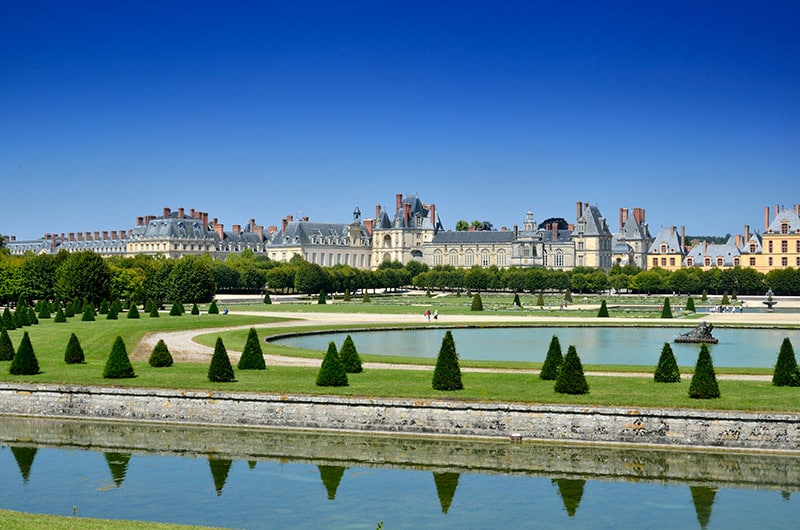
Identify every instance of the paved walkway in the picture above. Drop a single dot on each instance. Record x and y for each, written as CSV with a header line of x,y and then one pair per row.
x,y
184,349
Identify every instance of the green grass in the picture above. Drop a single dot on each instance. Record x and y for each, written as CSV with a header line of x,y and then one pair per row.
x,y
10,520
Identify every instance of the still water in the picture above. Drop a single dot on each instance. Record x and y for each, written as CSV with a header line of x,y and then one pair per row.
x,y
595,345
310,480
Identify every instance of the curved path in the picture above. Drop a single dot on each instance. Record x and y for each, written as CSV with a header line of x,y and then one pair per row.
x,y
184,349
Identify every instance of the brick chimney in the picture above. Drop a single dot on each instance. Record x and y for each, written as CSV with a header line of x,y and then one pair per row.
x,y
368,225
166,212
766,218
623,217
777,210
205,221
398,199
259,231
191,213
71,236
219,229
578,210
683,239
237,229
105,235
554,227
305,218
139,221
433,215
114,234
180,213
284,223
377,212
272,229
738,241
746,233
638,214
516,231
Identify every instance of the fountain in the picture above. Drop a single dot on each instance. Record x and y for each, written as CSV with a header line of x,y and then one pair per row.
x,y
702,333
769,302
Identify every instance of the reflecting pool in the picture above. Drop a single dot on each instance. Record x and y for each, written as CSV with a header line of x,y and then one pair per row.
x,y
595,345
263,479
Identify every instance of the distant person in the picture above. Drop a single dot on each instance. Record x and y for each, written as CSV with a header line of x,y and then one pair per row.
x,y
224,310
436,314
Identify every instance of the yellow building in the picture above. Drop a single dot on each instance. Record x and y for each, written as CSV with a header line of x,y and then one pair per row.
x,y
667,250
779,246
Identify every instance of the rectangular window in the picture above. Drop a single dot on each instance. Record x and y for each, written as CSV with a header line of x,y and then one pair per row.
x,y
784,246
671,262
784,261
752,262
770,247
655,262
663,262
769,262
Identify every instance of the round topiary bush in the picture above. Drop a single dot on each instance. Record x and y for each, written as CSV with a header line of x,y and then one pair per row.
x,y
74,353
553,361
220,369
704,381
25,362
118,366
332,373
570,378
667,368
160,356
447,374
786,373
252,356
349,356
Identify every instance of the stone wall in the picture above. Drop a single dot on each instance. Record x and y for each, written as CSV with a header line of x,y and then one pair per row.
x,y
732,430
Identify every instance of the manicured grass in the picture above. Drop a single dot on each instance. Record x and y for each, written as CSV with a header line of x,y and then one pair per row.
x,y
10,520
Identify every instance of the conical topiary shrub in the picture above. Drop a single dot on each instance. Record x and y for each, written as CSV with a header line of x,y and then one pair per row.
x,y
447,374
77,305
74,353
267,299
570,378
725,300
160,357
88,314
213,309
477,303
6,346
148,306
44,310
540,299
176,310
133,311
553,361
345,296
568,296
60,316
704,381
69,310
103,308
323,298
154,311
690,305
118,366
195,309
517,301
220,369
32,318
786,373
332,373
666,310
8,320
667,368
365,299
24,362
349,356
252,357
112,314
603,311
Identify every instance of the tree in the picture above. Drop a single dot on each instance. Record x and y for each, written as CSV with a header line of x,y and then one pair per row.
x,y
6,346
603,312
786,373
160,356
667,369
570,378
83,275
553,361
310,278
332,372
477,303
704,381
118,366
74,353
666,310
220,369
447,373
349,356
462,225
252,356
133,311
24,362
191,279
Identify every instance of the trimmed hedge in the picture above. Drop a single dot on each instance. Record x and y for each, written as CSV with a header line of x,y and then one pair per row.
x,y
6,346
332,373
160,356
252,356
25,362
666,311
667,369
447,374
220,369
477,303
786,373
704,381
118,366
553,361
74,353
603,311
570,378
349,356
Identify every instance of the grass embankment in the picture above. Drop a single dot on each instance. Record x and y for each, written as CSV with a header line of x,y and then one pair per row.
x,y
10,520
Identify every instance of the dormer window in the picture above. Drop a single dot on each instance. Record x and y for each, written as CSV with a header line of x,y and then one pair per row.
x,y
784,227
663,248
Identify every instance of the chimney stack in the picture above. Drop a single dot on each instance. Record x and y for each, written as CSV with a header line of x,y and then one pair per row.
x,y
738,241
623,217
516,231
746,234
398,201
114,234
683,239
579,210
71,236
105,235
433,216
166,212
180,213
777,210
219,229
554,227
284,223
766,218
205,221
139,221
237,229
368,225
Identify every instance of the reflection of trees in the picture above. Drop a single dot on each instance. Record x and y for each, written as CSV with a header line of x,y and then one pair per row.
x,y
446,484
571,493
331,477
118,465
24,457
220,467
703,499
787,495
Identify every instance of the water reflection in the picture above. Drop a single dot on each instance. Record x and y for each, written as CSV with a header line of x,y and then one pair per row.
x,y
356,481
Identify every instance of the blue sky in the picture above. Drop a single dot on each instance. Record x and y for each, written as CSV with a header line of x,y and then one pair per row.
x,y
113,110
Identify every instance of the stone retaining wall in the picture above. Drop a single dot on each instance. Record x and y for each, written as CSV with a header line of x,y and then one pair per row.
x,y
688,428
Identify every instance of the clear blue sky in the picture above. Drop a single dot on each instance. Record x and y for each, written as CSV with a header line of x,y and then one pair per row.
x,y
112,110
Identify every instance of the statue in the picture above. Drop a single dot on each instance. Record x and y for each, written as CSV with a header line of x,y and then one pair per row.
x,y
769,302
702,333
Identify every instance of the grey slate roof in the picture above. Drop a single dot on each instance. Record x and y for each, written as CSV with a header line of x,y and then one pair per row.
x,y
310,233
785,216
475,237
727,251
594,222
669,236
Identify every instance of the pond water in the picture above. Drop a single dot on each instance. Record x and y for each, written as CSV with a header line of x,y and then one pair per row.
x,y
311,480
595,345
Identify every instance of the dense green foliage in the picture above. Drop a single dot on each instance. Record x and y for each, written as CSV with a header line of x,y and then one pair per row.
x,y
332,372
118,365
252,356
213,309
570,378
349,356
553,361
477,303
6,346
667,367
88,314
220,369
690,305
74,352
160,357
60,316
447,373
133,311
603,311
322,298
704,381
786,372
176,310
24,362
666,310
195,309
517,301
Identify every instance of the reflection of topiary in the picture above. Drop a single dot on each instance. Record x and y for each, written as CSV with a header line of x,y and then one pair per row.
x,y
704,381
447,374
118,366
786,373
160,357
332,372
666,311
252,357
603,312
220,369
349,356
477,303
25,362
553,361
74,352
570,378
6,346
667,368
